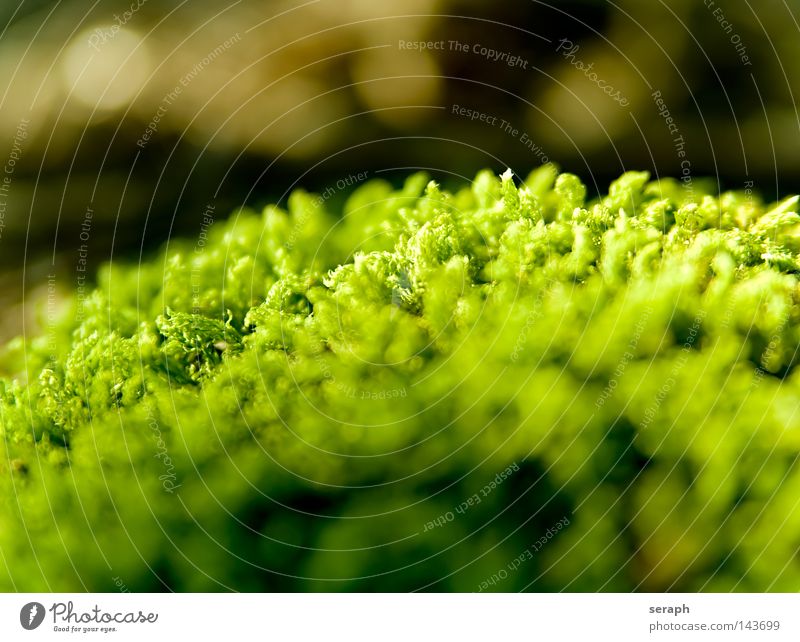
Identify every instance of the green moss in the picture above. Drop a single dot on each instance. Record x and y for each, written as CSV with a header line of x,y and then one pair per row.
x,y
309,400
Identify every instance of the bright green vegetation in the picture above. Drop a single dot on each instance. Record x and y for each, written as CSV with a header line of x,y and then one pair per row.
x,y
309,400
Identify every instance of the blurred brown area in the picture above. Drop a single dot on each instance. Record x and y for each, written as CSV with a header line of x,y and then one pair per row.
x,y
121,121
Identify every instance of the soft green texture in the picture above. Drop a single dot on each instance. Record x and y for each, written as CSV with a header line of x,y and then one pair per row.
x,y
295,404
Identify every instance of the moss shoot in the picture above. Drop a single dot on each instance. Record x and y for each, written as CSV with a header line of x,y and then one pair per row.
x,y
507,387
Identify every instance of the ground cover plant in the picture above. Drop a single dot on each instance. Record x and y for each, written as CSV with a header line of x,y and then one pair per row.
x,y
507,387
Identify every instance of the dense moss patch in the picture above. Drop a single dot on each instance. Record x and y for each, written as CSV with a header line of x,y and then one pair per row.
x,y
320,401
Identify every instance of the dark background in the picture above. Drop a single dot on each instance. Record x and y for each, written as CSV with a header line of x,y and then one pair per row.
x,y
309,93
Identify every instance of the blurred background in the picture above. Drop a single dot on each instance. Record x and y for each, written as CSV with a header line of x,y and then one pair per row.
x,y
125,123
